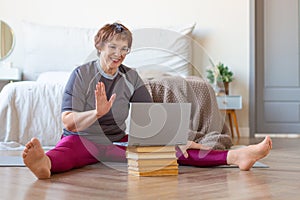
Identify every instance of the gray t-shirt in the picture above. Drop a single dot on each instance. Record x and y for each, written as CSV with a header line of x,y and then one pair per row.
x,y
79,96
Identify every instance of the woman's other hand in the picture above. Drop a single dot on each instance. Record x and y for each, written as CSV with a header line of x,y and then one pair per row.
x,y
191,145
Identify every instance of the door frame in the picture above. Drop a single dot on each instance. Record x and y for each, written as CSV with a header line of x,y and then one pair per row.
x,y
256,60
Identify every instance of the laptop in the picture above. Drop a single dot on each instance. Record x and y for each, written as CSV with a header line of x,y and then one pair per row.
x,y
158,124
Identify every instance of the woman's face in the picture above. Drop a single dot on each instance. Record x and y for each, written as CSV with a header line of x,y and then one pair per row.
x,y
113,53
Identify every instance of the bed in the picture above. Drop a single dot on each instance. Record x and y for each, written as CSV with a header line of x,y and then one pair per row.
x,y
31,108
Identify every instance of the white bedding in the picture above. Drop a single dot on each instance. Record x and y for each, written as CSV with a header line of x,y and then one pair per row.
x,y
31,109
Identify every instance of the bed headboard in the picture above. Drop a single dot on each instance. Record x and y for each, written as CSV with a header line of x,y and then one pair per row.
x,y
57,48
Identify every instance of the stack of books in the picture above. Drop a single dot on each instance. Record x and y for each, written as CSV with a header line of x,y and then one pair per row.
x,y
152,161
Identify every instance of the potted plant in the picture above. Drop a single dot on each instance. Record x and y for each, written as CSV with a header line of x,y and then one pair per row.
x,y
220,76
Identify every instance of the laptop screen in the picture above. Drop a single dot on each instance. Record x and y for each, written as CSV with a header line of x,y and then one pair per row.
x,y
153,124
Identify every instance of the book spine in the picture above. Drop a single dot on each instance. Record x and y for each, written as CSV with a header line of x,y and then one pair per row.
x,y
140,149
151,155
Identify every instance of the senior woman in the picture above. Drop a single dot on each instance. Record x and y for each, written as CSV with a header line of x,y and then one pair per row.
x,y
94,109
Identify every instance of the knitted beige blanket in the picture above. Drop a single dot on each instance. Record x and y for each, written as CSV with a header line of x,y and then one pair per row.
x,y
207,124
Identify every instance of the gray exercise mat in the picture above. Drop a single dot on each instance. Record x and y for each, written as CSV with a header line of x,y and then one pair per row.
x,y
11,161
256,165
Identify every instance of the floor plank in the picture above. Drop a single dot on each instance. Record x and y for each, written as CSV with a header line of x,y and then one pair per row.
x,y
279,181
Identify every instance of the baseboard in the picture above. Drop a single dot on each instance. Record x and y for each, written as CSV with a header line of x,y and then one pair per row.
x,y
278,135
245,132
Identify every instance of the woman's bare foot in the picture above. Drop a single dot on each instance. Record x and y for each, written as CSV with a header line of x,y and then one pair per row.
x,y
246,157
36,160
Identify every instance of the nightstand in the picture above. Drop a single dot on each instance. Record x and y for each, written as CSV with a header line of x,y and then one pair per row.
x,y
10,74
229,104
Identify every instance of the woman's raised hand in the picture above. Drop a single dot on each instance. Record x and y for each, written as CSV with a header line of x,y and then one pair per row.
x,y
102,105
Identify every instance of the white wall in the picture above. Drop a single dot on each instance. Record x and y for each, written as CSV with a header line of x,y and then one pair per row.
x,y
222,26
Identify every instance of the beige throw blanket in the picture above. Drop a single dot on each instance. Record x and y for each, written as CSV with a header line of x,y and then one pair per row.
x,y
207,124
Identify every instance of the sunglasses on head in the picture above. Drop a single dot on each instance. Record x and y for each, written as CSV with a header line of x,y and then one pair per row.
x,y
119,27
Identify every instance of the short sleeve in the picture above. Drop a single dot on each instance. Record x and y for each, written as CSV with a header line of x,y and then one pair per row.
x,y
74,96
140,94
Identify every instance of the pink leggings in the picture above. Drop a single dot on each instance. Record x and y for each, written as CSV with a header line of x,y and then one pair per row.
x,y
74,152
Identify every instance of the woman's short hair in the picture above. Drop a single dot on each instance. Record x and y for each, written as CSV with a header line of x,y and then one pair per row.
x,y
109,31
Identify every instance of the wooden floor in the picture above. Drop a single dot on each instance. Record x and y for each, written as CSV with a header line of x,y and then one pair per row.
x,y
280,181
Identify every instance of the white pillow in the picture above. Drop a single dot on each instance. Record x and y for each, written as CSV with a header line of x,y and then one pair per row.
x,y
57,48
153,73
165,50
50,48
54,77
